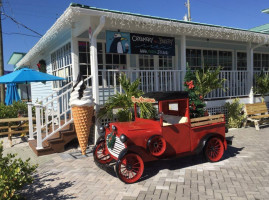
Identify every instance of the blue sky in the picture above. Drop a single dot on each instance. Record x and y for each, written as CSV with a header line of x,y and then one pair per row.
x,y
39,15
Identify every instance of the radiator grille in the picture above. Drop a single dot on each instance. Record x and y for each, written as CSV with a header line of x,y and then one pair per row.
x,y
118,147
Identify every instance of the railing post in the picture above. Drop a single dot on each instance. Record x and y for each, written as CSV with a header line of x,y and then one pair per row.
x,y
38,127
30,119
59,108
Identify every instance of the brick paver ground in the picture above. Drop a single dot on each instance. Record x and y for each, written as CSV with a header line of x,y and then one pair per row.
x,y
243,173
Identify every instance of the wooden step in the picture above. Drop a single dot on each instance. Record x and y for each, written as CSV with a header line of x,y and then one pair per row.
x,y
56,143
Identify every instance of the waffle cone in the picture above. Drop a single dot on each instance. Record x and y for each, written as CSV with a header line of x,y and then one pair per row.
x,y
83,121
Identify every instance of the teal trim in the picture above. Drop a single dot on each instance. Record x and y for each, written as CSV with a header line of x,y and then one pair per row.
x,y
266,10
15,58
263,28
159,18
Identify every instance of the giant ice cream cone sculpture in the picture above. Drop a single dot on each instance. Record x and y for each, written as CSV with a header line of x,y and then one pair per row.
x,y
82,104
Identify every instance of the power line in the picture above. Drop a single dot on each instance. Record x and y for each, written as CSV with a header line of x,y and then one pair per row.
x,y
14,20
14,33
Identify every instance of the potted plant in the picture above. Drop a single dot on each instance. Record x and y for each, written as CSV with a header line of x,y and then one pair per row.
x,y
121,104
261,84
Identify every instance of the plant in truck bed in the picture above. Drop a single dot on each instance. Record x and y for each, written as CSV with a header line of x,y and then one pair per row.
x,y
199,84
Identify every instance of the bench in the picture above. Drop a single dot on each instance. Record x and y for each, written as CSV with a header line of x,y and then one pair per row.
x,y
12,126
256,113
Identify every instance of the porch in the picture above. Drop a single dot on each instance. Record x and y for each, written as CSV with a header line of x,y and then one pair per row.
x,y
236,84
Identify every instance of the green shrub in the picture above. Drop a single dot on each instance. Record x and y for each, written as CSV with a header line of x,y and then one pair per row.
x,y
14,175
235,114
13,110
262,84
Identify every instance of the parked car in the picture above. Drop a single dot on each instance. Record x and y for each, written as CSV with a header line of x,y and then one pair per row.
x,y
173,134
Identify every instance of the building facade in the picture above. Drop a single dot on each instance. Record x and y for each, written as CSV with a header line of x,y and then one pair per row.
x,y
156,50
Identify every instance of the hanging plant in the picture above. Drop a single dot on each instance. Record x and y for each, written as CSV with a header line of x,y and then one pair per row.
x,y
42,66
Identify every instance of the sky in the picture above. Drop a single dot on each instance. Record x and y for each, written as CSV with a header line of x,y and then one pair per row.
x,y
40,15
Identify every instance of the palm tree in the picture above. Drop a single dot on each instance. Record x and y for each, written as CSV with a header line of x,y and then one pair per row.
x,y
123,104
207,80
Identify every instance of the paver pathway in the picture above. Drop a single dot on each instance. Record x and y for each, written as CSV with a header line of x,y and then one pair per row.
x,y
242,174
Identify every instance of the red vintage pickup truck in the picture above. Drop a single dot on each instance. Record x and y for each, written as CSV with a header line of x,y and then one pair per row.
x,y
174,134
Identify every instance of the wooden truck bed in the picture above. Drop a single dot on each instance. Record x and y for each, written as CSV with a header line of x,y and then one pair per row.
x,y
201,121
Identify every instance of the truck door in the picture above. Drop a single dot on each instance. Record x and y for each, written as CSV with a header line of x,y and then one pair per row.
x,y
176,128
177,138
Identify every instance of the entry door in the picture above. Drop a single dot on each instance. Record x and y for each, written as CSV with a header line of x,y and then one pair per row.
x,y
177,138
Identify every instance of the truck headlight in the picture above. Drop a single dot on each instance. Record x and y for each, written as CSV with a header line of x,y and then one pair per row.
x,y
102,129
123,138
107,125
114,128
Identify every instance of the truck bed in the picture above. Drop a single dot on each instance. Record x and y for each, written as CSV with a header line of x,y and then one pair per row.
x,y
202,121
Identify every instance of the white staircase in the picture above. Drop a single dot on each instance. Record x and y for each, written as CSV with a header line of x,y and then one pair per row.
x,y
52,114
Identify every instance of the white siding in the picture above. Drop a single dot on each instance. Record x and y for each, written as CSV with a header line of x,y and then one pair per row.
x,y
38,89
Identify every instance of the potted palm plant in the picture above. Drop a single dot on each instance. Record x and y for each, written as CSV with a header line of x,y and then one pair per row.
x,y
121,104
262,84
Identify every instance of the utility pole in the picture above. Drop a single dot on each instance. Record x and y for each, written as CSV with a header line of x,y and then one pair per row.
x,y
188,5
2,86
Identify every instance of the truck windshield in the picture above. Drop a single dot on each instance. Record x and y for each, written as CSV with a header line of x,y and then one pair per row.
x,y
146,110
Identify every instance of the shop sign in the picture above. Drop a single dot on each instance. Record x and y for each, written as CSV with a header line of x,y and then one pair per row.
x,y
117,42
120,42
152,45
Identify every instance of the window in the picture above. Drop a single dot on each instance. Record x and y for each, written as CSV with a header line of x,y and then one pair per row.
x,y
84,59
146,62
106,62
265,62
257,61
241,61
210,58
62,65
225,60
165,62
193,57
261,62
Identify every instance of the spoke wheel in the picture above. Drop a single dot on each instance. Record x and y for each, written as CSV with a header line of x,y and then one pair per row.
x,y
130,168
157,146
101,155
214,149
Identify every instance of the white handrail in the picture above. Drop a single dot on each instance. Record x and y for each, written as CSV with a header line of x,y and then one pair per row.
x,y
45,114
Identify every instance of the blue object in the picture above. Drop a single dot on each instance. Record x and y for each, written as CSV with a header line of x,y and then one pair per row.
x,y
11,94
27,75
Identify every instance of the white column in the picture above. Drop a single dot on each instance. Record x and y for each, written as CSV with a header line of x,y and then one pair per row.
x,y
183,60
250,72
38,127
30,119
74,55
94,70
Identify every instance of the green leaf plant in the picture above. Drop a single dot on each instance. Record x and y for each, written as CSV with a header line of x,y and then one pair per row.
x,y
14,175
235,113
207,80
122,104
199,84
261,84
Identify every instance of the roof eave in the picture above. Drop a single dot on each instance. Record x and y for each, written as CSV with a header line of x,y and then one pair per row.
x,y
64,20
